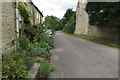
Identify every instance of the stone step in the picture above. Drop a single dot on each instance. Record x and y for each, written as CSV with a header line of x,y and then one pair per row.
x,y
33,72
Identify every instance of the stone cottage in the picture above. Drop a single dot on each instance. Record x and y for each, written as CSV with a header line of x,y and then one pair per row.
x,y
10,26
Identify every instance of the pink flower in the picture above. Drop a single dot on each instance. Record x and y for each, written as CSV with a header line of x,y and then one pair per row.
x,y
50,62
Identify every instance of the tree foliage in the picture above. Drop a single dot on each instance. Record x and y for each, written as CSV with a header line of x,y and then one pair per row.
x,y
103,13
67,16
69,21
52,22
66,23
70,25
26,14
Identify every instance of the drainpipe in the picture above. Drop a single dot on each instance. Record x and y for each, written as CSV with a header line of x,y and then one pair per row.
x,y
17,23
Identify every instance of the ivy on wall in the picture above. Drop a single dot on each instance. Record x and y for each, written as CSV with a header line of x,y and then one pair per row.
x,y
26,27
26,14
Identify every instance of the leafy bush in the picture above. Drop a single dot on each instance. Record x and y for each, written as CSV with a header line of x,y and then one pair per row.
x,y
29,61
40,60
49,40
43,45
23,42
52,68
13,67
44,69
70,25
38,51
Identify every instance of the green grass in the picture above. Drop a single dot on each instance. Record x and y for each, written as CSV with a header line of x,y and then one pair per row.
x,y
107,42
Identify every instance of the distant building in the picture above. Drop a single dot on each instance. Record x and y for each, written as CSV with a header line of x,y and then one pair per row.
x,y
8,31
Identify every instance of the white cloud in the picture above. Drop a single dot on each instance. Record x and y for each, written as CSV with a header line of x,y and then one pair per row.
x,y
55,7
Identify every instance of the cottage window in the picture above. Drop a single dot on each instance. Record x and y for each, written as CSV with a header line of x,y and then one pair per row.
x,y
37,16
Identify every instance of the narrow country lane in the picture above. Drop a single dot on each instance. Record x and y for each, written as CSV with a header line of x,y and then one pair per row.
x,y
79,58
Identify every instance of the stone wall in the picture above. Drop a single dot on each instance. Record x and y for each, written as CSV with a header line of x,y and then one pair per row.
x,y
104,32
36,17
83,27
8,26
30,8
81,20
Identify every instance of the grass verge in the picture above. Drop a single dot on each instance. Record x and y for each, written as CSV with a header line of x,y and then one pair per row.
x,y
107,42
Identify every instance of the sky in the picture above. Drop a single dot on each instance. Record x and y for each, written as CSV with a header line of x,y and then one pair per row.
x,y
55,7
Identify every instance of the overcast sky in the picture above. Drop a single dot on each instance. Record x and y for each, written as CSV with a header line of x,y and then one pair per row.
x,y
55,7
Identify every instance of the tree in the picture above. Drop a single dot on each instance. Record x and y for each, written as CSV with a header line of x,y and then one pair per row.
x,y
70,25
103,13
52,22
67,16
58,24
